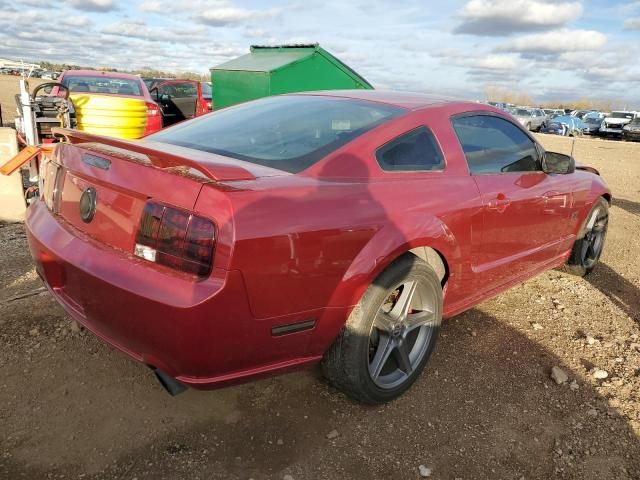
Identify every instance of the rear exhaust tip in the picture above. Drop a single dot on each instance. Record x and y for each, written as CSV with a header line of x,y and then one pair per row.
x,y
170,384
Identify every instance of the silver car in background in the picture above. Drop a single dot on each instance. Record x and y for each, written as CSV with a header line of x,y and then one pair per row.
x,y
531,118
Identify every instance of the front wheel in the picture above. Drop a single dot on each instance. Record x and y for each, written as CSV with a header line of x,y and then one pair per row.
x,y
389,335
588,247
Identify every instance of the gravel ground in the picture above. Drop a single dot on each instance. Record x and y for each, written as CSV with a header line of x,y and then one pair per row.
x,y
485,407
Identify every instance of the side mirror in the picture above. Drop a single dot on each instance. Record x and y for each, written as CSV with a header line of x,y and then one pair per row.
x,y
553,162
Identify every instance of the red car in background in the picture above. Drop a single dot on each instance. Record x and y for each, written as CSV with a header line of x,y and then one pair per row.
x,y
336,227
113,83
178,99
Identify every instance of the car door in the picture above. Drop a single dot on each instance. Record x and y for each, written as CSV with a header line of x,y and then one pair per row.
x,y
179,100
524,209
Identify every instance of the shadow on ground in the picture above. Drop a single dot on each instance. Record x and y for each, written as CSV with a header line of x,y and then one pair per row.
x,y
483,408
622,293
627,205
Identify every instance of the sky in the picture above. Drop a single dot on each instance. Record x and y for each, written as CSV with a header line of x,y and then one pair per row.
x,y
550,49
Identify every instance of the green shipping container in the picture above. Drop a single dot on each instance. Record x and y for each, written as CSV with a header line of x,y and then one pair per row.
x,y
283,69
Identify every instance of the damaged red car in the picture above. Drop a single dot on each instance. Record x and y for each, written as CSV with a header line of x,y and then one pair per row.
x,y
332,227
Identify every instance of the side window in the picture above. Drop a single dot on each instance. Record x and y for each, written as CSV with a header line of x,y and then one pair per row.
x,y
494,145
185,90
168,89
416,150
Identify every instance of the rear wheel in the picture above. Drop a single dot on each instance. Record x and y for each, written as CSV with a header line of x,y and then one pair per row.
x,y
590,242
390,334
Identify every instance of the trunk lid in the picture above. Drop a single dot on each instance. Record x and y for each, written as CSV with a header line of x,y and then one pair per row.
x,y
100,185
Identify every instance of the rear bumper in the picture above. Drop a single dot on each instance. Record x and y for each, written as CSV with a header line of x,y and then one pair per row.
x,y
201,333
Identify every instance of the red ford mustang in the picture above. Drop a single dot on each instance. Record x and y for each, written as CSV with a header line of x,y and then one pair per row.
x,y
336,227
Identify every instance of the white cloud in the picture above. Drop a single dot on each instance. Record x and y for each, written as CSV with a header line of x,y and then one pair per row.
x,y
632,24
76,21
214,13
220,17
557,41
140,30
480,61
93,5
165,6
503,17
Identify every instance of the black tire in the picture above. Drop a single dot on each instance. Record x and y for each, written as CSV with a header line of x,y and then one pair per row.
x,y
589,243
347,362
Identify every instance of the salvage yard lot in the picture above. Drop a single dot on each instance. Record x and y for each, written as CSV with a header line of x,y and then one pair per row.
x,y
484,407
9,87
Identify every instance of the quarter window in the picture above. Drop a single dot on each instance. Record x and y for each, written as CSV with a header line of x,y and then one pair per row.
x,y
494,145
416,150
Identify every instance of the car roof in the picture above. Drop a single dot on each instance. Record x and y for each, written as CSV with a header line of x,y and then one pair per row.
x,y
97,73
409,100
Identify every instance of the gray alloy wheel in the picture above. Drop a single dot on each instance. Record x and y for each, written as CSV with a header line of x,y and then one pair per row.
x,y
588,247
401,333
389,335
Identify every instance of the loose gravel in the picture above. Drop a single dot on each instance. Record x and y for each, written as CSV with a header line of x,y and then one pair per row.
x,y
540,382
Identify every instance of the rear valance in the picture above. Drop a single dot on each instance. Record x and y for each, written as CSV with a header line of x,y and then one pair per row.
x,y
158,158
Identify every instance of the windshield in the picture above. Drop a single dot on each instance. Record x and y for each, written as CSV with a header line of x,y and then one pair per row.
x,y
593,120
206,89
621,115
290,133
635,122
102,84
523,112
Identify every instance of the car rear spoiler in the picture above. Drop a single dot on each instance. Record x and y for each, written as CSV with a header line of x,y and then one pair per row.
x,y
216,171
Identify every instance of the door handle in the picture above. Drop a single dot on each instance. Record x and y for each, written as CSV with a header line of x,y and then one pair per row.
x,y
500,203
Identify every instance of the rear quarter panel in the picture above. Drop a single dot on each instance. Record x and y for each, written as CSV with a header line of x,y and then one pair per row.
x,y
319,238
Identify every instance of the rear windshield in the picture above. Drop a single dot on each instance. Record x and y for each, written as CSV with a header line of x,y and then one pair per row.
x,y
102,84
522,112
289,133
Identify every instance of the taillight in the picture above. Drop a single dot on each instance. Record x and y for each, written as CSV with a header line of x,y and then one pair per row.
x,y
176,239
208,105
152,109
49,183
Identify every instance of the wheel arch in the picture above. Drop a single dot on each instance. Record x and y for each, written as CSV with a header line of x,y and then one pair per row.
x,y
598,191
429,239
435,259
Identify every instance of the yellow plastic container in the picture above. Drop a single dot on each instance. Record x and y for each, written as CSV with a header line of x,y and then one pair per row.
x,y
110,115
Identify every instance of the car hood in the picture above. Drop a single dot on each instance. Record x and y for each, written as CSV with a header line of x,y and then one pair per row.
x,y
617,121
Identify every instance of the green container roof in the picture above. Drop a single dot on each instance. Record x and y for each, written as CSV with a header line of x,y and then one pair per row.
x,y
270,59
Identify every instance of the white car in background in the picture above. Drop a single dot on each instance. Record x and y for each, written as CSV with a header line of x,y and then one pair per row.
x,y
614,123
